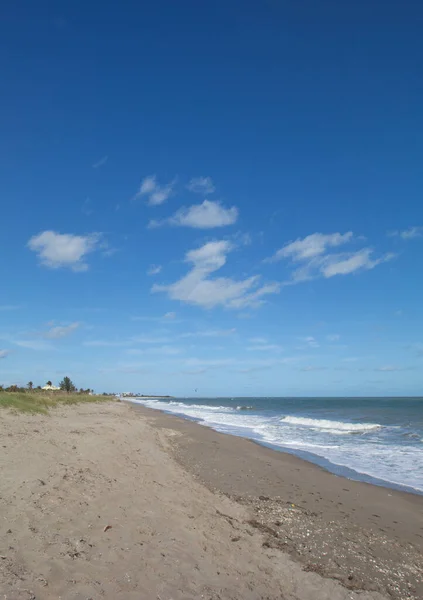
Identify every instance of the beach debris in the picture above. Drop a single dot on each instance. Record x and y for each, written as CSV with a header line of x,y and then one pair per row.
x,y
107,527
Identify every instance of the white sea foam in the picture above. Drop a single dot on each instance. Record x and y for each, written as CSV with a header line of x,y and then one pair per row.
x,y
334,426
368,454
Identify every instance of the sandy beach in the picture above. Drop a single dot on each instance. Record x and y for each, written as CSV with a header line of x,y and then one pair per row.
x,y
121,502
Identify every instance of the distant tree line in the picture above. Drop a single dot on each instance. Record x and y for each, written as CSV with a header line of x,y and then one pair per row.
x,y
66,385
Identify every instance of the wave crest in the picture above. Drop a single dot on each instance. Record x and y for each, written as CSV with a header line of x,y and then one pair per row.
x,y
328,425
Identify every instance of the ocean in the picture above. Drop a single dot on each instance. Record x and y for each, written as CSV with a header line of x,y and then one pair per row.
x,y
378,440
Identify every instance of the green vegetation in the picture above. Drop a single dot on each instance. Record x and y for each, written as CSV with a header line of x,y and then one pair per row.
x,y
41,402
66,385
28,399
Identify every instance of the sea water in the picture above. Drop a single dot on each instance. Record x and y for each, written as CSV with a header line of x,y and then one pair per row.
x,y
379,440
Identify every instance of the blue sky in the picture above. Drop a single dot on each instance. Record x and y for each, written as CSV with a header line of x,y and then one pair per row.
x,y
218,196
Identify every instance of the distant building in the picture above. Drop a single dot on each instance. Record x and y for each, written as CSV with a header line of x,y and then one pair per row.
x,y
51,388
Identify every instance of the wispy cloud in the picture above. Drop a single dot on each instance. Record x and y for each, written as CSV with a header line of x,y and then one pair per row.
x,y
248,370
164,350
57,250
87,207
156,193
201,185
407,234
346,263
169,316
194,371
310,342
315,260
261,344
206,215
391,369
197,287
253,363
213,333
150,339
60,331
311,246
100,163
33,344
265,348
258,340
104,343
154,269
310,368
333,337
7,307
4,353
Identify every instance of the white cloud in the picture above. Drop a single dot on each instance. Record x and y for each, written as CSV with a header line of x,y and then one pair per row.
x,y
262,345
56,250
165,350
254,363
201,185
169,317
100,162
345,263
313,245
206,215
4,353
198,288
154,270
254,298
391,369
148,185
58,332
313,252
87,207
334,337
33,344
103,343
265,348
209,333
309,342
311,368
150,339
408,234
258,340
194,372
157,194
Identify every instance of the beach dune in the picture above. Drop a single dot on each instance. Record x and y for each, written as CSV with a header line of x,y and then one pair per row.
x,y
99,501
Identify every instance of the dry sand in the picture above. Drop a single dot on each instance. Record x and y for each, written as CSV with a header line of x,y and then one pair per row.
x,y
104,501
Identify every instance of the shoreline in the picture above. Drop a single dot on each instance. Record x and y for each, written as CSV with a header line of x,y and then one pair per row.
x,y
335,526
322,462
115,500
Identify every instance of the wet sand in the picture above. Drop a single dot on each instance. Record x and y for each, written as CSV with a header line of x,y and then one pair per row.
x,y
111,501
367,536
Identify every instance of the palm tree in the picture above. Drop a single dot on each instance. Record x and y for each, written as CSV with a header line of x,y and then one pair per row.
x,y
30,385
49,383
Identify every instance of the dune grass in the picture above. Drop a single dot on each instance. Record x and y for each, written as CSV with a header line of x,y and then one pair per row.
x,y
41,402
